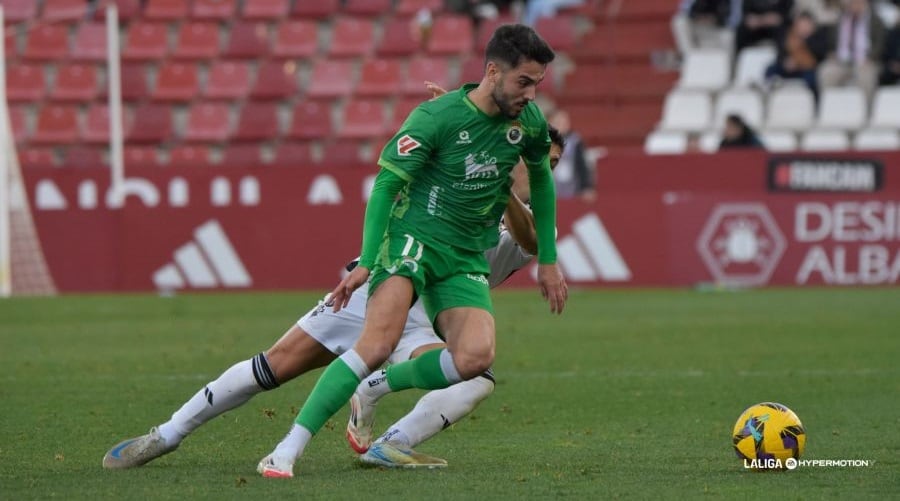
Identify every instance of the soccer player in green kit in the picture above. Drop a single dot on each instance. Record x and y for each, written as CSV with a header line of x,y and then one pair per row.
x,y
434,209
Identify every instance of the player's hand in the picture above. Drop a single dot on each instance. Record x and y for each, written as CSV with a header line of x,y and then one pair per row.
x,y
553,286
340,296
435,89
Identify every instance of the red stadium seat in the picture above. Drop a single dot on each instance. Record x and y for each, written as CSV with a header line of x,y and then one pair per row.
x,y
189,155
257,122
248,40
406,8
80,156
647,10
451,35
17,11
140,156
96,125
228,80
342,153
265,10
63,10
208,122
626,42
363,119
472,70
319,9
146,41
197,40
37,157
126,9
351,37
311,120
176,82
366,8
75,82
10,47
47,42
166,10
397,39
241,155
25,82
402,109
434,69
292,154
90,42
296,38
275,80
56,124
152,124
379,77
19,123
133,84
558,31
331,79
219,10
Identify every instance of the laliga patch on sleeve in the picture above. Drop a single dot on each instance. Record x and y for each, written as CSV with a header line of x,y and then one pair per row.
x,y
406,144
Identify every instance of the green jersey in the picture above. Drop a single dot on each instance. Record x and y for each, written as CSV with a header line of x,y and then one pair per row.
x,y
457,161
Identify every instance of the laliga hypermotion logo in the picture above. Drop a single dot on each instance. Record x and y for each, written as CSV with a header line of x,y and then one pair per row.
x,y
741,244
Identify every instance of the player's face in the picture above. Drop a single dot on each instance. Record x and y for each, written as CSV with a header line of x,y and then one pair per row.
x,y
515,87
555,153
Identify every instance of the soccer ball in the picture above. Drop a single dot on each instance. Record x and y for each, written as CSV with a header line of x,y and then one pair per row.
x,y
769,436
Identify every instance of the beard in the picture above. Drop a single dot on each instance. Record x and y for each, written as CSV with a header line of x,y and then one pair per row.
x,y
507,107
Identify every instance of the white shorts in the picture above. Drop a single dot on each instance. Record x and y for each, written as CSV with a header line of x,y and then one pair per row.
x,y
338,332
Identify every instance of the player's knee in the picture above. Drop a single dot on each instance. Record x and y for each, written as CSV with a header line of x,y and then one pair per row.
x,y
472,361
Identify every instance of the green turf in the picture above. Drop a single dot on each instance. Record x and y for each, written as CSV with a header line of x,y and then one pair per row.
x,y
630,394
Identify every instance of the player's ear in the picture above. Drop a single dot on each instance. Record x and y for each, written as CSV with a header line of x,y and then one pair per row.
x,y
492,72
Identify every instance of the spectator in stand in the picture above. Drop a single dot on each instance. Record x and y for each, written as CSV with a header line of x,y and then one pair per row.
x,y
855,51
890,70
762,20
825,12
738,134
536,9
574,175
800,50
706,23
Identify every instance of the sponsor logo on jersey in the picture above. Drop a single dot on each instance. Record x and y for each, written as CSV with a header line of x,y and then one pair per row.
x,y
464,138
406,144
481,165
477,278
514,134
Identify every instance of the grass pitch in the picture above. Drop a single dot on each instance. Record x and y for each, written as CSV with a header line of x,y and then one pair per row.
x,y
630,394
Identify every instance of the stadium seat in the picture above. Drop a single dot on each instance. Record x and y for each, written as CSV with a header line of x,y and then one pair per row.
x,y
397,39
624,42
96,125
402,109
558,31
140,156
886,108
311,120
189,155
778,141
19,124
296,38
420,69
197,40
341,153
257,122
665,143
471,70
17,11
705,69
146,41
265,10
379,77
81,156
292,154
363,119
227,80
407,8
90,42
351,37
218,10
47,42
248,39
824,140
484,32
366,8
687,110
56,124
744,102
134,82
709,141
75,82
176,82
63,10
751,65
241,155
645,10
877,139
166,10
275,80
208,122
319,9
330,79
11,47
451,35
25,82
152,124
37,157
790,108
125,9
842,108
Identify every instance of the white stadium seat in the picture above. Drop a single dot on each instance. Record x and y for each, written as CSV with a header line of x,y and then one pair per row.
x,y
825,140
779,140
687,110
877,139
743,102
790,108
842,108
751,65
663,142
709,141
886,108
705,69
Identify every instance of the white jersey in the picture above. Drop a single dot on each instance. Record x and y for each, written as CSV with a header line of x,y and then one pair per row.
x,y
338,332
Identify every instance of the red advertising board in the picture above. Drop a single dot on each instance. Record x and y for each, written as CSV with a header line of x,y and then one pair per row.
x,y
657,221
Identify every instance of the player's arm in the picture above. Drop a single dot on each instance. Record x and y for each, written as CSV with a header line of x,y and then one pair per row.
x,y
519,221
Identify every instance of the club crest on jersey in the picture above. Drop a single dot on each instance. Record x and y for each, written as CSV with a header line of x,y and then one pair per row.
x,y
406,144
514,134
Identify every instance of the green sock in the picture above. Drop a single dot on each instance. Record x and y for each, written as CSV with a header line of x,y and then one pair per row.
x,y
332,391
422,372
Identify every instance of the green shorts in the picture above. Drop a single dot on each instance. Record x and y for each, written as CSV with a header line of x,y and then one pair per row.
x,y
442,275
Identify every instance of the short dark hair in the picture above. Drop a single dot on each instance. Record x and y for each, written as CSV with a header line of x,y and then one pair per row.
x,y
513,43
556,138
